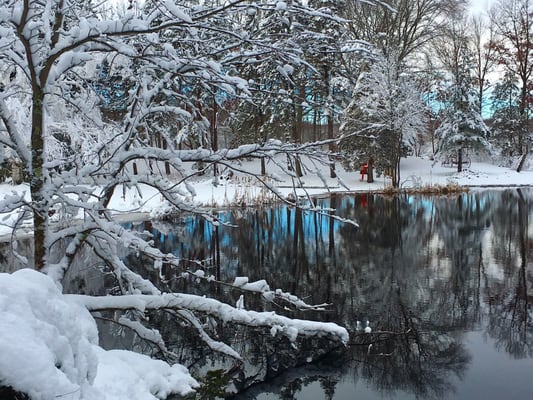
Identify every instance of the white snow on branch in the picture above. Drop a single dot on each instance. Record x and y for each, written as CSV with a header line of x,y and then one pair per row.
x,y
215,308
143,332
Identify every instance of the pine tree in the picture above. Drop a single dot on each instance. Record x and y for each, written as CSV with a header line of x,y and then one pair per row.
x,y
507,124
462,127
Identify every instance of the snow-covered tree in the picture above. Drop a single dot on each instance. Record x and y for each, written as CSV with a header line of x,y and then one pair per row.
x,y
481,40
384,117
462,127
268,112
327,55
284,91
172,56
403,26
507,121
513,48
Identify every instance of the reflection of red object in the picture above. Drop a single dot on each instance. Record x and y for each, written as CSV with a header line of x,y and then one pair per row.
x,y
364,171
363,201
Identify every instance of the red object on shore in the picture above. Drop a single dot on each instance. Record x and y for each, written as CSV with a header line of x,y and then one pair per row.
x,y
364,170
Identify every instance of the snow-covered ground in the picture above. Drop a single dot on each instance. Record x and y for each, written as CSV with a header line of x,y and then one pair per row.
x,y
48,343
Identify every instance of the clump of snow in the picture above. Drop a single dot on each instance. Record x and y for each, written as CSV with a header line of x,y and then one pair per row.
x,y
240,281
240,303
46,342
281,6
199,273
125,375
257,286
49,349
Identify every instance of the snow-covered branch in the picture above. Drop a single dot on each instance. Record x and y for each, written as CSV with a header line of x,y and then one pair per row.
x,y
292,328
14,140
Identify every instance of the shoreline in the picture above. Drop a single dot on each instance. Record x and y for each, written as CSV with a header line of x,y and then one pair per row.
x,y
139,216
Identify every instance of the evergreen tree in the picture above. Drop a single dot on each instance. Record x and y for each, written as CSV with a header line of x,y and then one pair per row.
x,y
507,124
462,126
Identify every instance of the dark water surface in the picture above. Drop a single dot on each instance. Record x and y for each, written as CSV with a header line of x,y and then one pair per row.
x,y
453,272
448,279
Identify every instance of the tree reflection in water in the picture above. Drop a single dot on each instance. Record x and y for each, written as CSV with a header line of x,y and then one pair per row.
x,y
432,267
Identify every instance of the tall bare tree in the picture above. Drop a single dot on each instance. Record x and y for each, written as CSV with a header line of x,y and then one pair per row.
x,y
513,21
403,25
483,54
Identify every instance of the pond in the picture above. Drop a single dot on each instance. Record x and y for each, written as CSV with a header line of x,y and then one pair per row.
x,y
445,282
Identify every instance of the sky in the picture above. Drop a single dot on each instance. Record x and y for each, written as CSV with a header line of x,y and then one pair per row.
x,y
480,6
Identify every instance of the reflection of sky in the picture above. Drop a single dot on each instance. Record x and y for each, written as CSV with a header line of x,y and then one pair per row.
x,y
313,225
468,201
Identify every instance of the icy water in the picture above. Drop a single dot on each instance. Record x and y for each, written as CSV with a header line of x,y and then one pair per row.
x,y
446,283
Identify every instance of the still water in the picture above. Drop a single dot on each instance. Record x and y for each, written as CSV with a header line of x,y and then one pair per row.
x,y
453,271
446,283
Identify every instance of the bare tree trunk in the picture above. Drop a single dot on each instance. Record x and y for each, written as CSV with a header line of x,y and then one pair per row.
x,y
40,211
396,174
460,160
315,123
522,162
263,167
332,172
370,171
297,138
167,164
214,132
331,146
298,167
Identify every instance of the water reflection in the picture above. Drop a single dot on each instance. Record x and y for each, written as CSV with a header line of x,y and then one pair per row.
x,y
436,267
447,279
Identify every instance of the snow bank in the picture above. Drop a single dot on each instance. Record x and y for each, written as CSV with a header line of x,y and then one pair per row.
x,y
49,349
46,343
125,375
